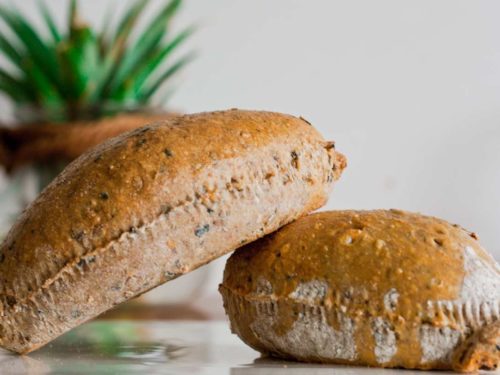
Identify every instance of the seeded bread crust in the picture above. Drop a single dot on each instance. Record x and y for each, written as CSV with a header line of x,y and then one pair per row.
x,y
377,288
151,205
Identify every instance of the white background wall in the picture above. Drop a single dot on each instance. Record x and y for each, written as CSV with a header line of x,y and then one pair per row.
x,y
409,90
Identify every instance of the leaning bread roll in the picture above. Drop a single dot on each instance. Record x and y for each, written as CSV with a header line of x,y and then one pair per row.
x,y
376,288
151,205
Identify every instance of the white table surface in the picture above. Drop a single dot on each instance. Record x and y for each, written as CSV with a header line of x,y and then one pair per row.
x,y
122,347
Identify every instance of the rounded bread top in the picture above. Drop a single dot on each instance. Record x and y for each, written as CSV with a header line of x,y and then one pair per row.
x,y
382,262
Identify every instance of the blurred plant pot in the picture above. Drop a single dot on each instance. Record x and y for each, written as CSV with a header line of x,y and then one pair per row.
x,y
33,155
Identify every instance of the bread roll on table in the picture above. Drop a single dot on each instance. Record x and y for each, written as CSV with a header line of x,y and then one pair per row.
x,y
151,205
377,288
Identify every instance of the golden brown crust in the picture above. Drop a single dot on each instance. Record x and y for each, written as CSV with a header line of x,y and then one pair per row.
x,y
378,288
151,205
480,351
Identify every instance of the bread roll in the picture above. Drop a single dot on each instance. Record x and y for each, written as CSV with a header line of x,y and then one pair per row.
x,y
151,205
376,288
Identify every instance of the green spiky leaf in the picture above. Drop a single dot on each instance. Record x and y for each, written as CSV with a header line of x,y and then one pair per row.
x,y
49,21
40,54
78,71
148,92
147,42
10,51
157,57
14,87
127,23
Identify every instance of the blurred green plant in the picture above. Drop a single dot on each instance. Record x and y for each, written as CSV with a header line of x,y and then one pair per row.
x,y
81,73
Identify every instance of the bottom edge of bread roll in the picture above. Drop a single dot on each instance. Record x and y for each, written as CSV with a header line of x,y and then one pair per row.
x,y
312,339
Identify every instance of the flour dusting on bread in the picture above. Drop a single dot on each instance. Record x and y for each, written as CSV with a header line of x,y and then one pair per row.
x,y
413,291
